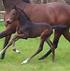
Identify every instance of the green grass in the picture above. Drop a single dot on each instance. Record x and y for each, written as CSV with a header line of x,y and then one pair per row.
x,y
28,47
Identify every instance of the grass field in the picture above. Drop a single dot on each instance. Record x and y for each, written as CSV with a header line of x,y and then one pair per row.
x,y
28,47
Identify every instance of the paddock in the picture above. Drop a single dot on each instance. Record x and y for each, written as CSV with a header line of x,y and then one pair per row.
x,y
12,60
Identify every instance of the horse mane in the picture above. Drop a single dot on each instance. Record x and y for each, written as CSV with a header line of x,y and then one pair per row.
x,y
23,13
22,16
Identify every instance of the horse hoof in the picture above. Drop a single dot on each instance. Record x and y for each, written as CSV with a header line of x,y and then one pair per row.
x,y
1,52
1,58
41,58
25,61
17,51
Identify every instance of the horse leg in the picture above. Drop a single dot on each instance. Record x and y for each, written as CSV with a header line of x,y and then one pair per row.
x,y
43,37
66,34
3,34
7,35
52,48
15,38
14,48
57,35
38,51
7,38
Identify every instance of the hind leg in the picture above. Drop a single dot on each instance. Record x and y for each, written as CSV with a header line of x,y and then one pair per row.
x,y
52,49
57,35
37,52
14,48
15,38
7,38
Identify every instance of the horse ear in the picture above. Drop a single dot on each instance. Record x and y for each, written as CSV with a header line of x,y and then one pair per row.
x,y
15,7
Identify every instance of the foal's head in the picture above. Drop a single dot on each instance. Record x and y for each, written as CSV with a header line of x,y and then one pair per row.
x,y
12,16
17,14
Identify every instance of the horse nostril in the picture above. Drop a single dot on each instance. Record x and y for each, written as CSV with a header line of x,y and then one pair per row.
x,y
8,21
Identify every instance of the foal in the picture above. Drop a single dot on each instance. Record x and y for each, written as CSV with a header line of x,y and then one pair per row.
x,y
27,29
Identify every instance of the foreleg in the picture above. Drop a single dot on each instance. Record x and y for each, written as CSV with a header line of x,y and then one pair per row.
x,y
57,35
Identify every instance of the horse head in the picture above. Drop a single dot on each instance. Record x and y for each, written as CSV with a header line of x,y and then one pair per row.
x,y
12,16
17,14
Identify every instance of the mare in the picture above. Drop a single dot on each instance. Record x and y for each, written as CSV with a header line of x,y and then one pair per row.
x,y
27,29
8,4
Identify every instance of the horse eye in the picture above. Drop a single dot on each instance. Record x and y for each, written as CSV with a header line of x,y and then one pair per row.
x,y
14,13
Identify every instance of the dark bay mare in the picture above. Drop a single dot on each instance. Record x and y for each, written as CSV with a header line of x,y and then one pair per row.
x,y
10,29
8,4
31,30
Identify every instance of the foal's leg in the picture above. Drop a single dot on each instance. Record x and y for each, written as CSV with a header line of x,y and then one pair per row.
x,y
44,36
7,38
14,48
15,38
57,35
52,48
38,51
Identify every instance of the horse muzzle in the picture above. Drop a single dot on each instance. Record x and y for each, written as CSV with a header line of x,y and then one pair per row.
x,y
8,21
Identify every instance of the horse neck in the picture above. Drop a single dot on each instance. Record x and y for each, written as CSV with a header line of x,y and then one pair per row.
x,y
9,4
24,20
22,16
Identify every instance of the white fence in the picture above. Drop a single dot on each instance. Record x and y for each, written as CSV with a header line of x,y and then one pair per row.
x,y
2,15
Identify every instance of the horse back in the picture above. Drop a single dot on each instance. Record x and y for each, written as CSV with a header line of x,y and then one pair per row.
x,y
53,13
